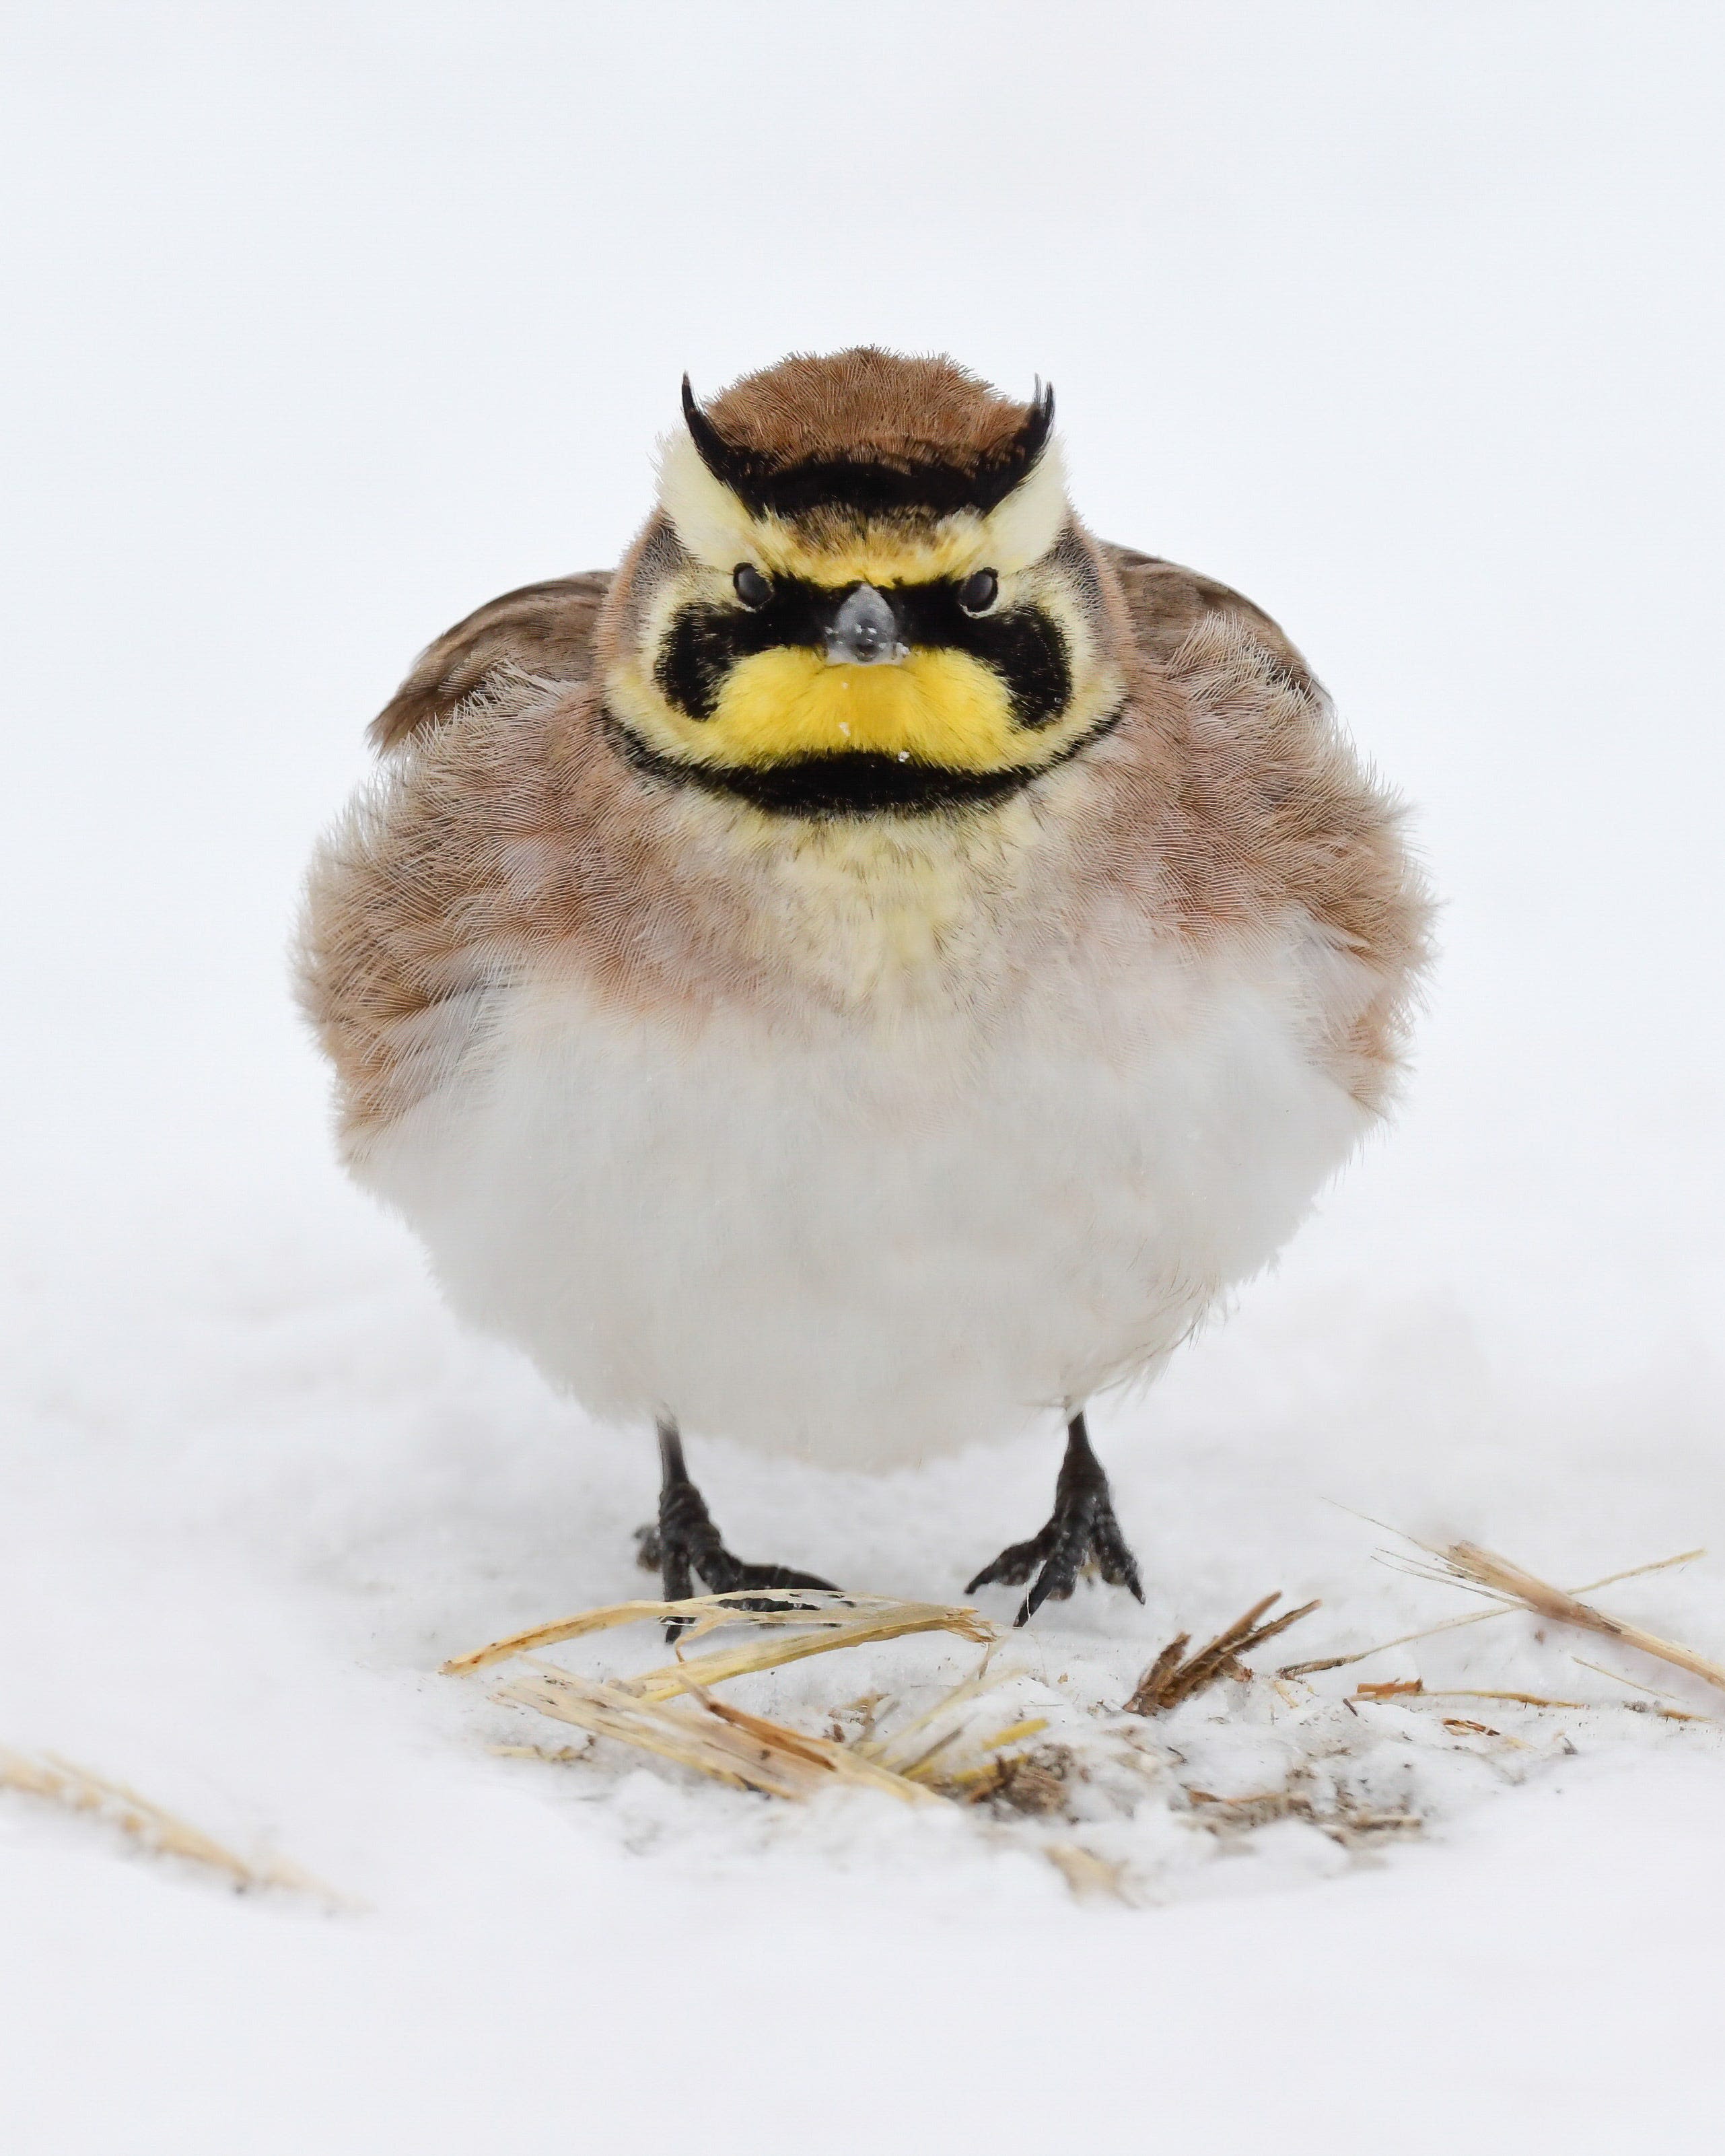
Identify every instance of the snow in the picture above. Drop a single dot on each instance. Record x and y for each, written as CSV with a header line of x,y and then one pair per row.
x,y
329,324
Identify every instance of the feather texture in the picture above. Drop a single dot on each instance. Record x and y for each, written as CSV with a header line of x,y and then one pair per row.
x,y
865,1136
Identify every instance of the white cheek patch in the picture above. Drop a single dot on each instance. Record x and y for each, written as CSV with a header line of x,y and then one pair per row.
x,y
1031,518
711,521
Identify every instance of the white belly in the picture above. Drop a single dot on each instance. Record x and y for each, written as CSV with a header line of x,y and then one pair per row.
x,y
861,1243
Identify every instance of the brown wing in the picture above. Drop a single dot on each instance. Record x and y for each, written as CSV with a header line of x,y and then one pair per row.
x,y
1168,603
542,629
1275,809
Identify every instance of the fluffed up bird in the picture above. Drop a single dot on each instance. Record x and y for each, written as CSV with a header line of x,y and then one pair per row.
x,y
873,970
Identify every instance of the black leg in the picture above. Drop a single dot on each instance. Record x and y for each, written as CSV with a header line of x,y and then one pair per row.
x,y
684,1542
1081,1530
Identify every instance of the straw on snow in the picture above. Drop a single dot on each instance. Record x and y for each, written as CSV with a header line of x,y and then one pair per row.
x,y
746,1750
151,1826
1400,1689
1474,1617
1405,1688
1656,1702
1468,1565
1170,1679
831,1619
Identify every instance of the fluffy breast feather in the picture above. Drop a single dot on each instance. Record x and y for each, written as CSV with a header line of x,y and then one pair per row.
x,y
862,1239
898,1132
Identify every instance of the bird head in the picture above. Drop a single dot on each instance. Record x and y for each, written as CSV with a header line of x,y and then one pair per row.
x,y
862,591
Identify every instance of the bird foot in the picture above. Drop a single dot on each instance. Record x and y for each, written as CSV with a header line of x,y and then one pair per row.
x,y
1082,1535
684,1544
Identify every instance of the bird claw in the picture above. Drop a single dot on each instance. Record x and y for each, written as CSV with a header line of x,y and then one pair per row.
x,y
1081,1534
1015,1562
683,1544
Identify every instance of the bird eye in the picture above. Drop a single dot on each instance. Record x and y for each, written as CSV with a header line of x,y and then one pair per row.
x,y
750,586
977,593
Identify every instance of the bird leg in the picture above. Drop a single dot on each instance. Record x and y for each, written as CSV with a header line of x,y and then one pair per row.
x,y
684,1542
1081,1531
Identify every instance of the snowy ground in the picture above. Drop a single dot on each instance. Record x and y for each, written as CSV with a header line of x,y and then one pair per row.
x,y
328,325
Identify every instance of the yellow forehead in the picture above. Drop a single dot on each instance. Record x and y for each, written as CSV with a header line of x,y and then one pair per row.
x,y
716,527
877,555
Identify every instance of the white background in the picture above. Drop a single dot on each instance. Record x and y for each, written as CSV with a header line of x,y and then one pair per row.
x,y
321,326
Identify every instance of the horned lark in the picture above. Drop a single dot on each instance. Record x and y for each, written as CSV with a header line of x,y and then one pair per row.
x,y
872,971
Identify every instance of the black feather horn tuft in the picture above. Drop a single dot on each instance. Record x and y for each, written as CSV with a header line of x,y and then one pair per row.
x,y
734,468
997,476
866,484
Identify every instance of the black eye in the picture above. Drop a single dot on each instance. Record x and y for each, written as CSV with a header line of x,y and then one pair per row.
x,y
750,586
977,593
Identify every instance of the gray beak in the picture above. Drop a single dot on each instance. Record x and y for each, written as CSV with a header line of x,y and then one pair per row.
x,y
865,632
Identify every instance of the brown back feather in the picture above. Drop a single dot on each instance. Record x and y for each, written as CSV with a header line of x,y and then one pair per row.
x,y
1167,602
545,631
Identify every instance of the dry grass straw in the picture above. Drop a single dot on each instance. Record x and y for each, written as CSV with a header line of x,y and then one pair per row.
x,y
748,1751
76,1789
1475,1617
1345,1821
1172,1677
1090,1878
1465,1565
1653,1703
1406,1688
907,1749
830,1620
1416,1688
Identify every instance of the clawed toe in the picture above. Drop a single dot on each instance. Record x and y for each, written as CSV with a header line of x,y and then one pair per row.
x,y
1082,1532
1014,1564
684,1544
1113,1554
725,1574
1079,1545
721,1573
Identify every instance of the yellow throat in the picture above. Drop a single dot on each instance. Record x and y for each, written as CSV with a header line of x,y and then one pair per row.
x,y
938,706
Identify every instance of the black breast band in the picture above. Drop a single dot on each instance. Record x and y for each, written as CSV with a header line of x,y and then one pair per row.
x,y
848,782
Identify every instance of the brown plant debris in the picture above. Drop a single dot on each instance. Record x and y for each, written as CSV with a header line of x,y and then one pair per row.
x,y
1033,1783
1172,1677
748,1751
908,1749
827,1620
554,1755
751,1751
1467,1565
1344,1821
1475,1617
1090,1877
150,1826
1656,1702
1415,1688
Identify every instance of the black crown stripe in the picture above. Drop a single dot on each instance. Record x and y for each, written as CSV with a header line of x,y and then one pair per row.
x,y
866,485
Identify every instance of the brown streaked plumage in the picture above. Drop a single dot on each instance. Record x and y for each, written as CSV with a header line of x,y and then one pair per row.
x,y
1210,824
543,629
1176,866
